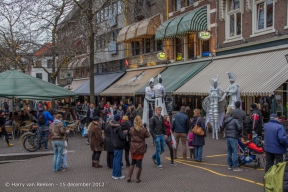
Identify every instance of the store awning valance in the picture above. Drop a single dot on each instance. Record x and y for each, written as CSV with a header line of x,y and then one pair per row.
x,y
175,76
257,74
75,84
131,82
101,82
190,22
142,29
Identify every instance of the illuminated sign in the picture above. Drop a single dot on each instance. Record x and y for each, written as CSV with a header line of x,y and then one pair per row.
x,y
204,35
161,56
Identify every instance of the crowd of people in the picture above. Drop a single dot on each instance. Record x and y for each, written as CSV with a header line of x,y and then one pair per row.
x,y
120,128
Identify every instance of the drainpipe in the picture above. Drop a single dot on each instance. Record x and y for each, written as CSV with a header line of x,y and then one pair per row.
x,y
216,25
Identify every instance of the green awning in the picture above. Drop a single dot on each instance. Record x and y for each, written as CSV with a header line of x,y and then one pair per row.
x,y
175,76
17,84
190,22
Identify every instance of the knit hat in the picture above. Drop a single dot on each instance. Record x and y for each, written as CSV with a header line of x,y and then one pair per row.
x,y
117,117
95,118
253,106
272,116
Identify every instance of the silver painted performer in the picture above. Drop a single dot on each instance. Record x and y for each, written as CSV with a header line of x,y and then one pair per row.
x,y
160,94
149,97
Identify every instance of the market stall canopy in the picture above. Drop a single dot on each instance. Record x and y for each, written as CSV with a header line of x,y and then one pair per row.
x,y
142,29
176,75
191,22
17,84
75,84
101,82
257,74
131,82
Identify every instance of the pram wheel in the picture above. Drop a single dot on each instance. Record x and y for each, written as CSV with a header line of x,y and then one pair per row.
x,y
257,163
240,162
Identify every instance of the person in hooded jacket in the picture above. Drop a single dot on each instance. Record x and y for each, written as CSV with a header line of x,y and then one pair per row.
x,y
2,128
108,143
96,141
118,143
125,125
232,129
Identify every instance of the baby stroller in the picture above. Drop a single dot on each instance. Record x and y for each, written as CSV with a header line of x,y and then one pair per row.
x,y
247,152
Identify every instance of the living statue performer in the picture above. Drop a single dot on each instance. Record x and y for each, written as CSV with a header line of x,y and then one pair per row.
x,y
233,91
148,100
160,94
214,106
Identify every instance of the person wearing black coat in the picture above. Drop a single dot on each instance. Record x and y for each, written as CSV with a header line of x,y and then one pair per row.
x,y
118,142
91,113
125,125
198,141
2,127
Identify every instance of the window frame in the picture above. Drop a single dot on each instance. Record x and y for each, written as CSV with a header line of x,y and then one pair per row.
x,y
37,76
265,30
228,14
49,61
135,50
175,5
188,2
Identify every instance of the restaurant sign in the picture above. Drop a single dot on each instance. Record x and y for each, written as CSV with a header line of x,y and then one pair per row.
x,y
204,35
161,56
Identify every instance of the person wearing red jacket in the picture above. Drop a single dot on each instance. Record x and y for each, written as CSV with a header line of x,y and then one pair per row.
x,y
169,139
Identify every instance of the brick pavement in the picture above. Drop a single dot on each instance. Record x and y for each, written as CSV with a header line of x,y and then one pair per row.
x,y
212,175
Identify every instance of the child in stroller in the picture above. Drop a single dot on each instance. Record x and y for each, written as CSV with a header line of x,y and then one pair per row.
x,y
247,151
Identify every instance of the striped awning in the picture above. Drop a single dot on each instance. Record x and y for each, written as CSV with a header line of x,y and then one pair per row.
x,y
257,74
190,22
142,29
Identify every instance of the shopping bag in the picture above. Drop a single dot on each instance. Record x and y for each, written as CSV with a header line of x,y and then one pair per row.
x,y
174,144
84,132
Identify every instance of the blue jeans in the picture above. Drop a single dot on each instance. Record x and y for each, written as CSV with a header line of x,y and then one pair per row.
x,y
160,144
7,111
232,157
58,146
117,163
132,122
64,161
198,150
43,134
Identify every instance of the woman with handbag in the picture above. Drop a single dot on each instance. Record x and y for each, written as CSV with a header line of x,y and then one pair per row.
x,y
198,128
169,139
137,147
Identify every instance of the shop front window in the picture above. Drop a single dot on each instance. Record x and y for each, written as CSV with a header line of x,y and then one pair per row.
x,y
135,48
178,49
205,48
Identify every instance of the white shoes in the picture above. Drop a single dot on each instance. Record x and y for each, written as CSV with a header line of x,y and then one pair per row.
x,y
122,177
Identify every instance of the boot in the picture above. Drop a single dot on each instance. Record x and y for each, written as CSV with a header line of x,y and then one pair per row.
x,y
93,163
97,165
131,168
138,175
9,144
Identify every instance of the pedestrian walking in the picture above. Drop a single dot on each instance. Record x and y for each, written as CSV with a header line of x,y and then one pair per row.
x,y
191,146
91,113
239,113
169,138
96,141
232,131
64,155
6,106
108,147
118,142
139,110
125,126
180,130
43,118
198,140
57,131
255,123
131,113
138,147
120,111
2,128
275,141
159,134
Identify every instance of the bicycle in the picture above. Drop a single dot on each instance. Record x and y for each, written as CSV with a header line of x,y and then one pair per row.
x,y
31,143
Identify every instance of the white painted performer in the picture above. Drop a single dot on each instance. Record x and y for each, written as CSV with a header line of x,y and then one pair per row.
x,y
233,91
160,94
214,105
149,97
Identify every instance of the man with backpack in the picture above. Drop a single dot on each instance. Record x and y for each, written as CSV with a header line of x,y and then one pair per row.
x,y
43,118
